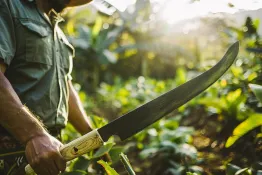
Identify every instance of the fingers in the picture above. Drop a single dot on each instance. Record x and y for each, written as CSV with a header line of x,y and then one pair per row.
x,y
39,169
52,168
60,163
51,165
44,157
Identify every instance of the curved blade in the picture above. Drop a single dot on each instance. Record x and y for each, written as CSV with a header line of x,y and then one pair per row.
x,y
143,116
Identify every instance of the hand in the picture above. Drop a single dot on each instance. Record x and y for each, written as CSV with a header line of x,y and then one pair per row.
x,y
42,153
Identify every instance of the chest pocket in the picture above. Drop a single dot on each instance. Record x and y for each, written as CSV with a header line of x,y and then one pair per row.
x,y
38,42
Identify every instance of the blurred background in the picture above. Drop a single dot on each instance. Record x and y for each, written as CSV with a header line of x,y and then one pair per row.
x,y
129,52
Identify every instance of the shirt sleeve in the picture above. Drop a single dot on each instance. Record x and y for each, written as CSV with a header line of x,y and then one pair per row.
x,y
7,34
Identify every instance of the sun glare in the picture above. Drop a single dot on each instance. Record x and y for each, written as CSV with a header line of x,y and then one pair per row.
x,y
177,10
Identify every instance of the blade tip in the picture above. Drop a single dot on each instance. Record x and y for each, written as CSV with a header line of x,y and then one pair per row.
x,y
236,44
235,47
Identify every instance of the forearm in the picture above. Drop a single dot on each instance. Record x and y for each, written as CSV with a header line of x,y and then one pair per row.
x,y
77,115
14,116
78,2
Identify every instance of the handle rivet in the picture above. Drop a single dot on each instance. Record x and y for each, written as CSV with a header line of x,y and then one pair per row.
x,y
75,149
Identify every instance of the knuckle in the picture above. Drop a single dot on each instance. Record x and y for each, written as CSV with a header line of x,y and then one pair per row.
x,y
48,154
54,154
44,156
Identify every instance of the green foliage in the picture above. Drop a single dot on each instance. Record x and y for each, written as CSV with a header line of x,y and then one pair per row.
x,y
253,121
103,150
167,145
112,50
257,90
108,169
80,165
115,152
228,105
236,170
125,96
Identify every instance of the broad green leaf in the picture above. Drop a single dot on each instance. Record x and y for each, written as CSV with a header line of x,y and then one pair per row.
x,y
99,41
234,95
168,145
252,76
187,150
103,150
148,152
232,169
83,39
97,122
256,23
197,169
97,27
70,27
171,124
218,103
257,89
244,171
108,169
176,171
80,164
237,71
180,76
111,57
235,100
252,122
125,48
112,36
114,153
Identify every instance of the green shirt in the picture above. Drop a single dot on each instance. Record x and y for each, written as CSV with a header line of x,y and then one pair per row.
x,y
39,59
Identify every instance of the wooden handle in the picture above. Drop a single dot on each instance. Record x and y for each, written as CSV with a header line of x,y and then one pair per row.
x,y
76,148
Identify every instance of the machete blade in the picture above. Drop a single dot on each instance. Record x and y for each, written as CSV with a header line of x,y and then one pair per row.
x,y
145,115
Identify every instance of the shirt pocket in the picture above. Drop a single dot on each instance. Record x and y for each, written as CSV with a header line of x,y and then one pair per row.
x,y
38,42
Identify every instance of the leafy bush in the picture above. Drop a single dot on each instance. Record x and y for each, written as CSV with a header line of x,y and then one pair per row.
x,y
226,115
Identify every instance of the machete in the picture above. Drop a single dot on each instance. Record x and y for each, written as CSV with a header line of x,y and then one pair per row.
x,y
145,115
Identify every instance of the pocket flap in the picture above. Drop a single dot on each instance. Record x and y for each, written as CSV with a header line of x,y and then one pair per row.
x,y
36,27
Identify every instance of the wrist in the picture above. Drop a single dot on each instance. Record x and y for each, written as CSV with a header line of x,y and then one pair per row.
x,y
36,136
29,127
